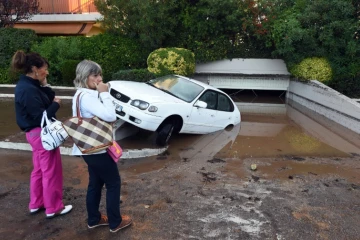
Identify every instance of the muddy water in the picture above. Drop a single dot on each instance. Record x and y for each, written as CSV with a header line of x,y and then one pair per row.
x,y
260,134
8,124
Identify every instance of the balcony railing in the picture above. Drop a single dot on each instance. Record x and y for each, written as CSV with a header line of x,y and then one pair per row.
x,y
66,6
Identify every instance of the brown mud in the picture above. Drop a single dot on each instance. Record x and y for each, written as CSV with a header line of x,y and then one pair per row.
x,y
218,198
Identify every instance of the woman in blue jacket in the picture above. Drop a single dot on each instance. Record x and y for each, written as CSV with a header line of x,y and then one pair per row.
x,y
33,95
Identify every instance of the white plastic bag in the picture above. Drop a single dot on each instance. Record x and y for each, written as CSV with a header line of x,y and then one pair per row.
x,y
53,134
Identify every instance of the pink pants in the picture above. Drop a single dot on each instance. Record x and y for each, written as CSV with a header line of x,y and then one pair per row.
x,y
46,179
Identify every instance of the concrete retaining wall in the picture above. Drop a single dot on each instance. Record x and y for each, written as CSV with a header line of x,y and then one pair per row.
x,y
327,102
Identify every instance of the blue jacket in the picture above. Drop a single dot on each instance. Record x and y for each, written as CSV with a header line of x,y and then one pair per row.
x,y
30,102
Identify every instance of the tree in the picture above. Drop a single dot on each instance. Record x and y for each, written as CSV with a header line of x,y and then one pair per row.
x,y
356,4
12,11
212,29
153,22
322,28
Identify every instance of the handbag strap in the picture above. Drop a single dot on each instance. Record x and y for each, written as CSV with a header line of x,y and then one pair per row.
x,y
78,109
44,119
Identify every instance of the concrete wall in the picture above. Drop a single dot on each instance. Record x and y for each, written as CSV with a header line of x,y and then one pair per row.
x,y
254,82
325,101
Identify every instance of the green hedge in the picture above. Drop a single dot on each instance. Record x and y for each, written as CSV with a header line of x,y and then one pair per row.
x,y
58,50
5,76
165,61
68,69
348,86
114,53
11,40
313,69
138,75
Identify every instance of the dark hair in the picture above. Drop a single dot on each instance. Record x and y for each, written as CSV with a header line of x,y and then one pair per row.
x,y
24,62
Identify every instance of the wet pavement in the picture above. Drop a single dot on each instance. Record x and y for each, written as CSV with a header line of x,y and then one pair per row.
x,y
306,185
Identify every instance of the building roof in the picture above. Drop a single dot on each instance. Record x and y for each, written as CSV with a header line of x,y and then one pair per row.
x,y
244,66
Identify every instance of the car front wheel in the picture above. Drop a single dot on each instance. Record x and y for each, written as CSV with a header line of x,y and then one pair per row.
x,y
164,134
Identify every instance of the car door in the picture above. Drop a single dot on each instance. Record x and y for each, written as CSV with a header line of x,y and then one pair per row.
x,y
225,109
202,120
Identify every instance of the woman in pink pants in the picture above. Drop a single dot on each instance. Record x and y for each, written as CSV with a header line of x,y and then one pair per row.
x,y
33,96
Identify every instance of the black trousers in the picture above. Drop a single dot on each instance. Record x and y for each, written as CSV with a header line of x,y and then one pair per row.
x,y
103,170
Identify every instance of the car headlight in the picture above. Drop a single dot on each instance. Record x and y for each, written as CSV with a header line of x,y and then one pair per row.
x,y
140,104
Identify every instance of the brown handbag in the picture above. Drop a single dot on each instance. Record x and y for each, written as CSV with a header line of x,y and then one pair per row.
x,y
90,135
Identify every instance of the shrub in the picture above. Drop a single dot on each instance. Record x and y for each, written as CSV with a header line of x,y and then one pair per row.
x,y
348,86
138,75
5,76
68,69
114,53
165,61
58,50
11,40
313,69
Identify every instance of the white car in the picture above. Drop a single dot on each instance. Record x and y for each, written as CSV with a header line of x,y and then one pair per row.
x,y
173,104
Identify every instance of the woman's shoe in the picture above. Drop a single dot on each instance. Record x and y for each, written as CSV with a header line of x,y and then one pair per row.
x,y
64,211
36,210
103,222
126,221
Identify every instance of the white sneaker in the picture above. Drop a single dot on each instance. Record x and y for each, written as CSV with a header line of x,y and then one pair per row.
x,y
64,211
34,210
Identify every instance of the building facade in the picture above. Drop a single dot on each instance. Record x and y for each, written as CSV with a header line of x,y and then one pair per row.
x,y
64,17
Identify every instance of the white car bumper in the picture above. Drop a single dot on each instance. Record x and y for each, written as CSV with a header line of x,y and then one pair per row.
x,y
137,117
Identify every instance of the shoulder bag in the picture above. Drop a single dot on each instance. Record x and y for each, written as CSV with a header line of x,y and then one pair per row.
x,y
90,135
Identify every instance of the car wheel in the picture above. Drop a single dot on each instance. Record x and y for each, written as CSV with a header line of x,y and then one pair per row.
x,y
164,134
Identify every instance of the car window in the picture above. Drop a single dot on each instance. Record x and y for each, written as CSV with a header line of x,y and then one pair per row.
x,y
210,98
178,87
224,104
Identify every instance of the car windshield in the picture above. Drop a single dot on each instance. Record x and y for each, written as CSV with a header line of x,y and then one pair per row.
x,y
178,87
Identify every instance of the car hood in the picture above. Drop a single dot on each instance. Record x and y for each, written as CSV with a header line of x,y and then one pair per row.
x,y
143,91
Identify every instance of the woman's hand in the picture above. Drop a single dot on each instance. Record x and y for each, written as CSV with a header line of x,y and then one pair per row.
x,y
58,100
43,82
102,87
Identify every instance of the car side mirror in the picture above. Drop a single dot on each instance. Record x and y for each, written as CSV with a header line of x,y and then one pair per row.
x,y
200,104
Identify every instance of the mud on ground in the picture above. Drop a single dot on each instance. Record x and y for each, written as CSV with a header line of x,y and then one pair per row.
x,y
289,197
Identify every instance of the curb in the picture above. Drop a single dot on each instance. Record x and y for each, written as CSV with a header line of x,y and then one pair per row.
x,y
127,154
54,87
4,95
